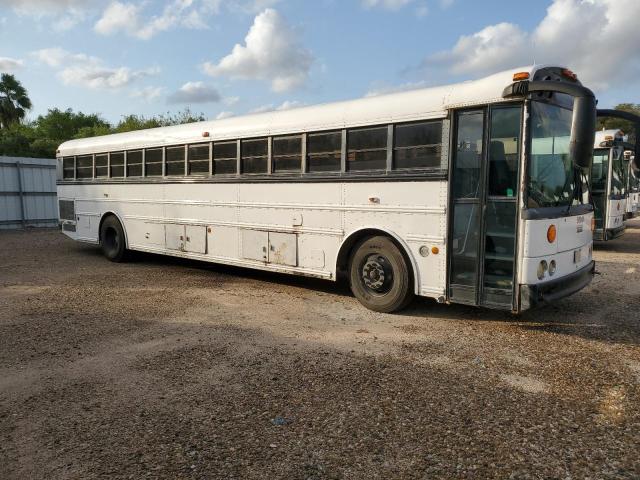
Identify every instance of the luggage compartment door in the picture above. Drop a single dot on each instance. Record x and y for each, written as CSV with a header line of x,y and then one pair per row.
x,y
283,249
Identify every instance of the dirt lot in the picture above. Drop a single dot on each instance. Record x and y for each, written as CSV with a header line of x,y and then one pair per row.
x,y
164,368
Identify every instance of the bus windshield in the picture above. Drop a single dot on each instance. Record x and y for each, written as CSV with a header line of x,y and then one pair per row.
x,y
551,171
618,177
600,169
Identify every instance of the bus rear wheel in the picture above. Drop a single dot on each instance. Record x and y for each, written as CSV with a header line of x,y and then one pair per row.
x,y
379,275
112,239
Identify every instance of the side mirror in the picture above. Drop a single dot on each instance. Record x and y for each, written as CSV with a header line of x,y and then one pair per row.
x,y
583,131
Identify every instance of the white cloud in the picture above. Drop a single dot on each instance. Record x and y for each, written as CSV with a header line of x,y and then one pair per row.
x,y
444,4
89,72
149,93
386,4
195,92
97,77
127,17
118,16
492,48
38,6
422,11
69,20
384,90
8,64
254,6
287,105
290,105
223,115
272,51
60,15
56,57
231,101
598,39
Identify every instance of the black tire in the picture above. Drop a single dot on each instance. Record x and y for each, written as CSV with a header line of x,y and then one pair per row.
x,y
112,239
379,275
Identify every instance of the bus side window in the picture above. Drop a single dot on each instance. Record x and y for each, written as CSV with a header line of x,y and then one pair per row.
x,y
417,145
367,149
324,152
117,165
134,163
68,167
102,165
84,166
254,155
287,154
153,162
175,160
225,158
198,159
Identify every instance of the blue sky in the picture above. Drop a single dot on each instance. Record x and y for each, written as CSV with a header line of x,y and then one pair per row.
x,y
224,57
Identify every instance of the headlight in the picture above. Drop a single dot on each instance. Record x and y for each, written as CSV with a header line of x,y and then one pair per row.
x,y
542,269
552,267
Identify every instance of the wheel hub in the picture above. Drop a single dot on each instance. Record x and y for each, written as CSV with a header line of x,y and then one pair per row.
x,y
377,274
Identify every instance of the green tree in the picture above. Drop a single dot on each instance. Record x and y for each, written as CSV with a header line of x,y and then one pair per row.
x,y
139,122
63,125
42,136
16,140
14,101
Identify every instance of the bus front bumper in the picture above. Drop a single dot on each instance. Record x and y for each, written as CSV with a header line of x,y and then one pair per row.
x,y
532,296
615,232
600,235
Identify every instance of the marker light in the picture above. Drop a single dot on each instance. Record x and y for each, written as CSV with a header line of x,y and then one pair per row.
x,y
435,250
569,74
593,224
517,77
551,233
206,134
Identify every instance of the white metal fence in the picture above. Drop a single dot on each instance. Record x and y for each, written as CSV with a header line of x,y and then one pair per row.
x,y
28,192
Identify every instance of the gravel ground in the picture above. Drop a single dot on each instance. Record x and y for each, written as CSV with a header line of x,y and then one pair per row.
x,y
165,368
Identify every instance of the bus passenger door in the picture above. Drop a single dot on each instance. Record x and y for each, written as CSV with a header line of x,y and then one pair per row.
x,y
484,187
466,205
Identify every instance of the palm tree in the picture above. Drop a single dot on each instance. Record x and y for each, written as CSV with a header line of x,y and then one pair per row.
x,y
14,100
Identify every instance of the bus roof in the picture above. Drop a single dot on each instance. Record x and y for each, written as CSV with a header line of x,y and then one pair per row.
x,y
391,108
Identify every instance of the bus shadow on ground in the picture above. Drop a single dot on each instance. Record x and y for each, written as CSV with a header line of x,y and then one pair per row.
x,y
572,316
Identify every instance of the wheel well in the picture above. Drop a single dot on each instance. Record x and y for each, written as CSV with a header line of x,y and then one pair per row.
x,y
348,245
104,217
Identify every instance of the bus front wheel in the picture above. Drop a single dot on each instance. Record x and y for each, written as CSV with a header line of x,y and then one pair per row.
x,y
112,239
379,275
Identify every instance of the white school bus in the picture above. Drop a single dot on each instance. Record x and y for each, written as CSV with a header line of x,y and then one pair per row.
x,y
614,178
609,184
633,185
473,193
